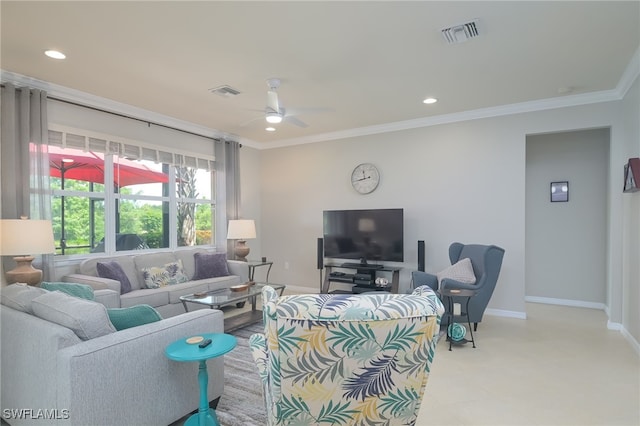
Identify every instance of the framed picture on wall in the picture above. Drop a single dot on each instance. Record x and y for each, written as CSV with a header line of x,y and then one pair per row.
x,y
559,191
632,175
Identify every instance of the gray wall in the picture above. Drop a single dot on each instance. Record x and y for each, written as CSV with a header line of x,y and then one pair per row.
x,y
463,181
565,242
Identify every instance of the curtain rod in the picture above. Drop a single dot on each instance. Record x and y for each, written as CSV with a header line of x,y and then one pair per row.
x,y
53,98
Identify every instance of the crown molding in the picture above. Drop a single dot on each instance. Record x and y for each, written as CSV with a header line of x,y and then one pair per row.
x,y
499,111
629,76
83,98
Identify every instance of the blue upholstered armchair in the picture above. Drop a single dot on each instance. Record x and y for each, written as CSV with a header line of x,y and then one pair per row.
x,y
486,261
346,359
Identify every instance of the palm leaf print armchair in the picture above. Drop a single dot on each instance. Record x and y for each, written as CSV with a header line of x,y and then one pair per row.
x,y
344,359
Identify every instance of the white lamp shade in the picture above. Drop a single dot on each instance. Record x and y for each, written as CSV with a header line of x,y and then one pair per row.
x,y
242,229
23,237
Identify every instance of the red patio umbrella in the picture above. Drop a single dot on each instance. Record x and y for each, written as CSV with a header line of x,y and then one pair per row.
x,y
88,166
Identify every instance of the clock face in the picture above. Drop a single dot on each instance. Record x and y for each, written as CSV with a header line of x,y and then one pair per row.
x,y
365,178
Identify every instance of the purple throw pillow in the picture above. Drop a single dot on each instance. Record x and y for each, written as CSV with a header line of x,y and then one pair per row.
x,y
210,265
113,271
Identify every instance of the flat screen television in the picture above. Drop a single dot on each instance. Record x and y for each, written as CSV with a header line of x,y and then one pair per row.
x,y
365,235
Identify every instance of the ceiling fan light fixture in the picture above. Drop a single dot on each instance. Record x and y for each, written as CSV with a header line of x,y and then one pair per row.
x,y
273,118
55,54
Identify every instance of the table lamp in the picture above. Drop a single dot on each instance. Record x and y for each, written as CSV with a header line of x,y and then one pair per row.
x,y
241,230
23,238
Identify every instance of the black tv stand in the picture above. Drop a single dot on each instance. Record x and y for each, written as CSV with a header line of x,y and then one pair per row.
x,y
364,272
361,266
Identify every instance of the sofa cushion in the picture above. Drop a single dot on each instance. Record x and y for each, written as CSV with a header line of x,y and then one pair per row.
x,y
210,265
83,291
153,298
20,296
88,319
461,271
126,262
150,260
123,318
188,261
168,274
114,271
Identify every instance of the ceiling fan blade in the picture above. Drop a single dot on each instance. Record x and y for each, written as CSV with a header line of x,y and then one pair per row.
x,y
310,110
272,101
296,122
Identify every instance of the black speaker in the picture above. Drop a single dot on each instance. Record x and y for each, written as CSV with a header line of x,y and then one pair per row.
x,y
320,254
421,255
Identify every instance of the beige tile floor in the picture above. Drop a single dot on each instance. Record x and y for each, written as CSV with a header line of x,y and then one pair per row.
x,y
559,367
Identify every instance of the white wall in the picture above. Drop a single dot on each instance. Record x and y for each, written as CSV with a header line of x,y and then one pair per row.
x,y
457,182
630,111
565,242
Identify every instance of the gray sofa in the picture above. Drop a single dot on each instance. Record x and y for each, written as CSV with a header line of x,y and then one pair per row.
x,y
164,299
49,375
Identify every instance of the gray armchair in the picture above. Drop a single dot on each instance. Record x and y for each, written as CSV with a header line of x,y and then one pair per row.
x,y
486,261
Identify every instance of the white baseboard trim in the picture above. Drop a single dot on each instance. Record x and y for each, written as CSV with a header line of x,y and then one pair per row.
x,y
302,290
632,341
508,314
565,302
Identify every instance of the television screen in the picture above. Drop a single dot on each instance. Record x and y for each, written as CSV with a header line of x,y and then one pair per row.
x,y
365,235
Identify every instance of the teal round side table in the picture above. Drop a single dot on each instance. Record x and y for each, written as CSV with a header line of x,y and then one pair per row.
x,y
186,352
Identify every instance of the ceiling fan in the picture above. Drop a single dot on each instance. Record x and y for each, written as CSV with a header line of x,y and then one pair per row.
x,y
275,113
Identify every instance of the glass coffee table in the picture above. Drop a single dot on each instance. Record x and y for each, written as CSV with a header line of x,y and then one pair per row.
x,y
219,298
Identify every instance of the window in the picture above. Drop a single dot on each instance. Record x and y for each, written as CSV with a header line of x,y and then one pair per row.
x,y
149,204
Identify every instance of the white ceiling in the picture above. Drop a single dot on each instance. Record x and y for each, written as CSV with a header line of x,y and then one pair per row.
x,y
370,63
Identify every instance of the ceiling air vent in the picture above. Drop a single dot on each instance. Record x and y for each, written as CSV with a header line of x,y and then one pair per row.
x,y
225,91
461,32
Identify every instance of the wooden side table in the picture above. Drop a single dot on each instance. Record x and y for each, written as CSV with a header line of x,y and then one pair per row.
x,y
183,351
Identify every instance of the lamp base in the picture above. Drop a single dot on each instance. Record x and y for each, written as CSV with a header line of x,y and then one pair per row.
x,y
241,250
24,272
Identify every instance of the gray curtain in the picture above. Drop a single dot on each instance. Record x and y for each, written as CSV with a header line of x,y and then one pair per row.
x,y
24,164
227,190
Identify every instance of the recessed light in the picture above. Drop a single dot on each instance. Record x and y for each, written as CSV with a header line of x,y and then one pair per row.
x,y
55,54
270,129
430,101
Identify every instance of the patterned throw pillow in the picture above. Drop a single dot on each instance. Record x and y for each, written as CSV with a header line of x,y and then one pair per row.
x,y
114,271
461,271
210,265
160,276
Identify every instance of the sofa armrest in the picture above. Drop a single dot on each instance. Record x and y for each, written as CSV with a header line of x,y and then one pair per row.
x,y
258,347
420,278
108,297
239,268
96,283
134,360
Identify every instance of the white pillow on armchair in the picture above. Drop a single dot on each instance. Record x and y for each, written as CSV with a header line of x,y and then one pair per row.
x,y
461,271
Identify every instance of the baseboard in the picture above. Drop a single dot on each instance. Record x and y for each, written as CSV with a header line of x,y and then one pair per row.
x,y
507,314
301,289
565,302
632,341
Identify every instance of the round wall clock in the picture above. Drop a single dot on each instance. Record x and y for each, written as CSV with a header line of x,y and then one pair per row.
x,y
365,178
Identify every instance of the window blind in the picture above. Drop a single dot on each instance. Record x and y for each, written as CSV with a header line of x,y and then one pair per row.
x,y
128,150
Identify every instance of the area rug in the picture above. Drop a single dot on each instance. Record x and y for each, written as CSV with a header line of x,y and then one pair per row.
x,y
241,404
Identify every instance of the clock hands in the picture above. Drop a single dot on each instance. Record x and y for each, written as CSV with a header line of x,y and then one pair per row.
x,y
363,178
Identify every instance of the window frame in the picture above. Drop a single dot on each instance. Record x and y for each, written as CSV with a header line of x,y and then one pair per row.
x,y
110,195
